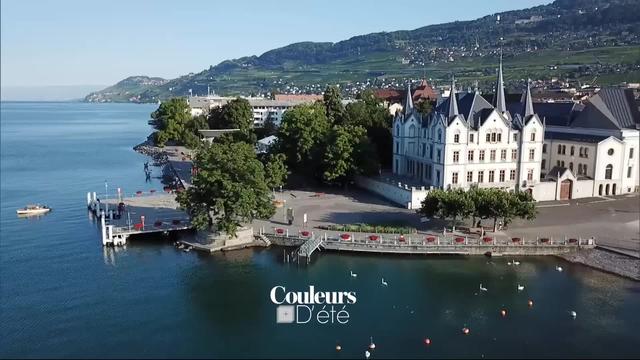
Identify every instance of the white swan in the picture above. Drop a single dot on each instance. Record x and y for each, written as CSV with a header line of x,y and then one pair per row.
x,y
515,262
384,282
367,354
483,288
509,263
353,274
520,287
559,268
573,314
372,345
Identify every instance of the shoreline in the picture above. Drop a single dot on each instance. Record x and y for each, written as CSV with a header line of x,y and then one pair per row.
x,y
599,259
606,261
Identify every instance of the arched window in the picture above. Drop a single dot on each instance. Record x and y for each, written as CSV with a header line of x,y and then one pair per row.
x,y
608,172
564,149
573,150
439,135
559,149
412,131
586,152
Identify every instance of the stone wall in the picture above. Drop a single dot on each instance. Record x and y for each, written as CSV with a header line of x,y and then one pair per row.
x,y
401,194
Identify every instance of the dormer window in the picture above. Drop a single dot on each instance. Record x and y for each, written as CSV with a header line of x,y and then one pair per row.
x,y
439,135
533,136
456,138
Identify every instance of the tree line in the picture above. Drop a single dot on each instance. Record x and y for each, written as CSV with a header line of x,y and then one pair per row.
x,y
477,203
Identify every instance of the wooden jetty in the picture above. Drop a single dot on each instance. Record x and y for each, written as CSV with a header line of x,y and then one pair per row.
x,y
150,213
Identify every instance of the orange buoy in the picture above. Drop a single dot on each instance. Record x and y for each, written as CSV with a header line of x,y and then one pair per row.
x,y
427,341
466,330
530,303
503,312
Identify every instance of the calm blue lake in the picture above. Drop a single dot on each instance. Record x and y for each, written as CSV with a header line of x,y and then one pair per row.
x,y
63,295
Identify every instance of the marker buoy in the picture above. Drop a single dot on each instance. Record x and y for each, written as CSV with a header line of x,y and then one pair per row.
x,y
530,303
503,312
466,330
338,347
427,341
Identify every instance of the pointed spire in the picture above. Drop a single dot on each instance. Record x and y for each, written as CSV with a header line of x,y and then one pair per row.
x,y
499,101
453,103
528,101
408,102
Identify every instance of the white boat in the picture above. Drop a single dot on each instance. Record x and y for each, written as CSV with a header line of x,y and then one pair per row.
x,y
33,210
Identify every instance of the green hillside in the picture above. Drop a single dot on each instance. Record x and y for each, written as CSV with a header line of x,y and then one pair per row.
x,y
582,41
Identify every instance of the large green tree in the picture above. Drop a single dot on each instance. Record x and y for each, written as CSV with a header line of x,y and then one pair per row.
x,y
301,136
369,112
347,153
276,170
175,124
236,114
229,188
332,100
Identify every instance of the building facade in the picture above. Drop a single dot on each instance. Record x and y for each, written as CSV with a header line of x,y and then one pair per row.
x,y
467,141
263,109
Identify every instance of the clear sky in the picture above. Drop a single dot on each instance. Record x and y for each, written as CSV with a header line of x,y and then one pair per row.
x,y
73,42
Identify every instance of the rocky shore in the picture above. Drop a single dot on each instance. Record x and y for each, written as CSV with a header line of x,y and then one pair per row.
x,y
623,265
148,148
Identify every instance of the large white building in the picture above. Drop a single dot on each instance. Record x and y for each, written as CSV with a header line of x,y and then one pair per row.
x,y
467,141
556,151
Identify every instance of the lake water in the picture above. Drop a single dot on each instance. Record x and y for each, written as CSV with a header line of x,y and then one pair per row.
x,y
63,295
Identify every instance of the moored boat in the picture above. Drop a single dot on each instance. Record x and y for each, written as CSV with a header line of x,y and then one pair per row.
x,y
33,210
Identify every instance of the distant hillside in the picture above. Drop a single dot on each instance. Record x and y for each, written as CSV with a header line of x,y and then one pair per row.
x,y
127,90
585,40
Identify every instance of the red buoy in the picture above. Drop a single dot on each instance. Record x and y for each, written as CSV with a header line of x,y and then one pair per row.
x,y
466,330
427,341
503,312
530,303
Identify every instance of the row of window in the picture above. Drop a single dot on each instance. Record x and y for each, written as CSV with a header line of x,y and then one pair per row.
x,y
492,155
491,137
562,150
491,179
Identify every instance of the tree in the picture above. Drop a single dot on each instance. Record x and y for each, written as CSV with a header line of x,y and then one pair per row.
x,y
370,113
424,106
275,170
345,155
173,110
521,205
301,135
449,204
174,123
229,188
332,100
236,114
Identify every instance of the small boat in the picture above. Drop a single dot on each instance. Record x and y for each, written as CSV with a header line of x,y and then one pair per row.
x,y
33,210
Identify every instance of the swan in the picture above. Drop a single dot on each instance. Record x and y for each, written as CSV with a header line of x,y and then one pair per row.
x,y
372,345
384,282
559,268
520,287
509,263
573,314
367,354
515,262
483,288
353,274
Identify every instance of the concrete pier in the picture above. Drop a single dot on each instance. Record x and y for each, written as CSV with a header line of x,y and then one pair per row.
x,y
149,213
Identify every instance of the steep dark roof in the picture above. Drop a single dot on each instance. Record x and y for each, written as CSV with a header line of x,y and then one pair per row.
x,y
471,106
610,108
554,114
549,135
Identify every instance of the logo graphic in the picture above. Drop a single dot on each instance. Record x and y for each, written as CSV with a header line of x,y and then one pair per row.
x,y
300,307
285,314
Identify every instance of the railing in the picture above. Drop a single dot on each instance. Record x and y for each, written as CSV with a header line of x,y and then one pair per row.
x,y
427,240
